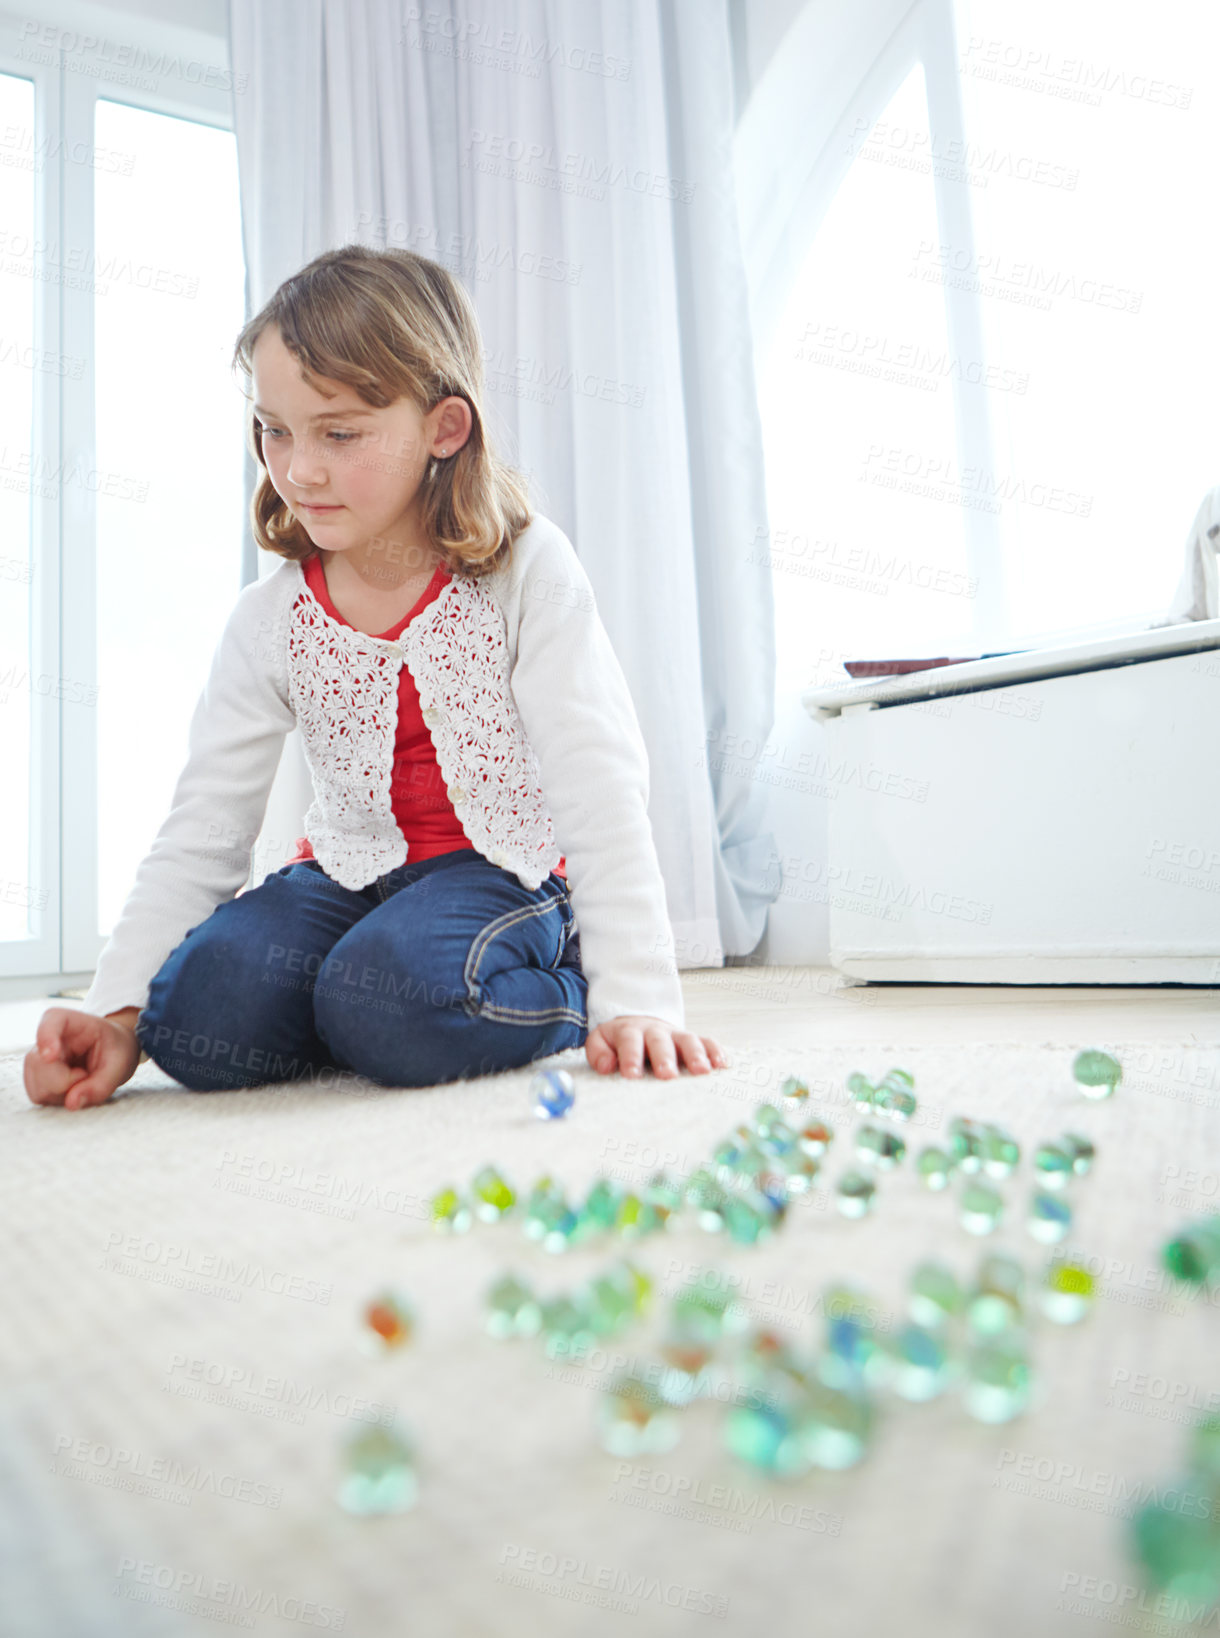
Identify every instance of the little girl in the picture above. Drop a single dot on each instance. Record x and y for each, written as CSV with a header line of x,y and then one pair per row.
x,y
464,716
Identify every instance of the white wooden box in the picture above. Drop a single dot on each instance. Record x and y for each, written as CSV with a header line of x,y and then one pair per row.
x,y
1044,818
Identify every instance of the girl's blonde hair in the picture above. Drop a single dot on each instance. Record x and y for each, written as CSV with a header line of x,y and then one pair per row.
x,y
390,323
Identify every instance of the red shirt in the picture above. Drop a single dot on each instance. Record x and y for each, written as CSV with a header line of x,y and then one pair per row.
x,y
424,812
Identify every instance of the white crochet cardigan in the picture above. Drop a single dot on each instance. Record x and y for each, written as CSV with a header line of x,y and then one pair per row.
x,y
535,733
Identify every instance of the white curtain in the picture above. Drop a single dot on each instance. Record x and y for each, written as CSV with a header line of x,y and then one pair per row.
x,y
571,161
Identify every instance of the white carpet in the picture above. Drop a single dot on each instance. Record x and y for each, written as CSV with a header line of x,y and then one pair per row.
x,y
144,1258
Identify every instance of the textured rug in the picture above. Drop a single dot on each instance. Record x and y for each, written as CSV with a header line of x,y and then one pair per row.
x,y
181,1366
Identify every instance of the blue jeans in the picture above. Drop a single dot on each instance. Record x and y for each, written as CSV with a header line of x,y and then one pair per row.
x,y
435,971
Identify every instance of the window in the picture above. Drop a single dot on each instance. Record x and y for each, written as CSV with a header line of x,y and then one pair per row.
x,y
122,290
988,405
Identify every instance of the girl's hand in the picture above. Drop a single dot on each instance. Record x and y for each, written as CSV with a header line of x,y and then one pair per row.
x,y
624,1042
78,1059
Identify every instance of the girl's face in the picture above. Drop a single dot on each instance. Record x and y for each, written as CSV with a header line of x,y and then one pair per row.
x,y
347,471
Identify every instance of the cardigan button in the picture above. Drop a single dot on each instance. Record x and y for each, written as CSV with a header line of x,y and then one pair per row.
x,y
456,794
432,717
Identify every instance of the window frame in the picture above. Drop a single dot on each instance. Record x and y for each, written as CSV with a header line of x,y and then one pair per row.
x,y
65,942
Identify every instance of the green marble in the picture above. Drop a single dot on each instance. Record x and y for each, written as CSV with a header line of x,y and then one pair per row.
x,y
1049,1217
854,1194
835,1424
999,1152
815,1137
493,1196
1066,1293
877,1147
995,1300
981,1208
919,1364
512,1309
450,1212
1179,1549
997,1377
1081,1150
1053,1166
861,1089
767,1436
794,1095
634,1420
379,1473
934,1167
934,1296
966,1144
1097,1073
1193,1255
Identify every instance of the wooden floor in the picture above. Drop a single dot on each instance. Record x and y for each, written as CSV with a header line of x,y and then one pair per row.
x,y
735,1004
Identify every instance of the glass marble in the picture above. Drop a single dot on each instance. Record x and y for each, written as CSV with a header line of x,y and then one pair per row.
x,y
835,1424
966,1144
548,1216
1049,1217
934,1296
997,1378
877,1147
380,1473
610,1301
994,1303
1066,1293
981,1208
389,1323
1096,1073
1193,1255
815,1137
567,1327
1053,1165
919,1364
768,1436
1081,1150
450,1213
599,1210
493,1196
552,1093
999,1152
934,1167
798,1172
894,1097
861,1089
767,1116
512,1309
854,1194
1204,1451
634,1420
794,1094
664,1195
1180,1552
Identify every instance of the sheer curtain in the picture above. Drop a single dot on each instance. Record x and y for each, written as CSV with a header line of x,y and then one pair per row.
x,y
572,163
